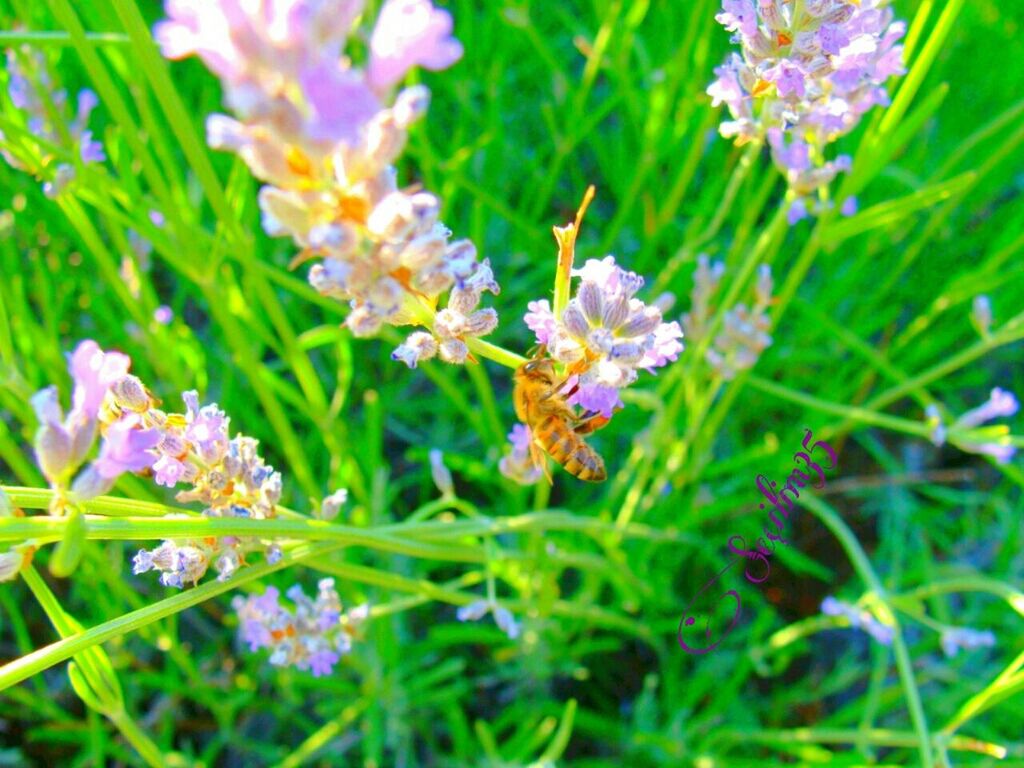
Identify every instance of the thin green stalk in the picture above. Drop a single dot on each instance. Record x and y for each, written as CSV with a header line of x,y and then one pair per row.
x,y
44,658
904,665
105,690
46,529
1009,682
879,737
10,38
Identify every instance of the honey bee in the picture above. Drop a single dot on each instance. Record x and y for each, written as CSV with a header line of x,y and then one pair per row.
x,y
556,429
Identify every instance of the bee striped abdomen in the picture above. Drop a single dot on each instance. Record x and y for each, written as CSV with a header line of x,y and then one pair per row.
x,y
570,450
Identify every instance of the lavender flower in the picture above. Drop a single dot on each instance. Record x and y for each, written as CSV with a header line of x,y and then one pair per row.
x,y
324,136
312,636
745,330
1000,404
227,476
410,33
605,335
32,90
503,618
981,314
807,73
61,444
518,465
13,560
127,447
953,639
331,506
859,618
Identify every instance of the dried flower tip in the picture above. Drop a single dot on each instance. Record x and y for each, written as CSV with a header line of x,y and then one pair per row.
x,y
981,314
441,475
331,506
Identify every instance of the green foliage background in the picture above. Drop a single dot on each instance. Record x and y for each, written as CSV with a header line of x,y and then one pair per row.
x,y
872,325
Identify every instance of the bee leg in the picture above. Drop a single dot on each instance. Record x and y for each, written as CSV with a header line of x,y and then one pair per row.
x,y
540,459
591,422
557,390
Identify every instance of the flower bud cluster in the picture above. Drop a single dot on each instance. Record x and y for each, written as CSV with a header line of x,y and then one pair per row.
x,y
744,335
503,617
324,134
605,335
460,320
806,73
227,476
313,636
1001,403
519,465
63,442
859,618
31,89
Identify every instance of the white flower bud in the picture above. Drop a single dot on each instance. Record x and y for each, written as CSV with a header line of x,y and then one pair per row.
x,y
419,346
453,351
482,322
331,506
641,323
89,484
440,473
615,312
393,219
11,563
53,450
410,105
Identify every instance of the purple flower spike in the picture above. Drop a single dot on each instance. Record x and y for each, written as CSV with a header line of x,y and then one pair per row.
x,y
126,447
310,636
1000,403
828,61
410,33
540,320
94,371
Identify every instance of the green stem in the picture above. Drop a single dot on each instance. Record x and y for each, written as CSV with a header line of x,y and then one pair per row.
x,y
904,664
44,658
880,737
98,672
10,39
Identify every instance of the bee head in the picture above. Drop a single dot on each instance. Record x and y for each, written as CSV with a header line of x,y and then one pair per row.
x,y
540,369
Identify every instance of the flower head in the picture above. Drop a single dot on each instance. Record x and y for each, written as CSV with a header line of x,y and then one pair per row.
x,y
744,336
955,639
519,465
311,636
858,617
31,90
605,335
807,73
324,134
1001,403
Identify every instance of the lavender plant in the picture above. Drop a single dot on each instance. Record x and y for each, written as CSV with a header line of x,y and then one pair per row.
x,y
410,589
806,74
